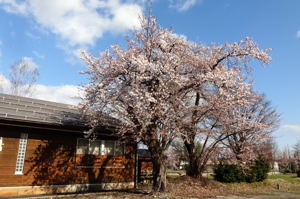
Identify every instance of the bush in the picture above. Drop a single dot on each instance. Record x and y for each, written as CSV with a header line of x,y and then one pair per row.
x,y
298,173
255,171
258,170
228,173
293,167
290,168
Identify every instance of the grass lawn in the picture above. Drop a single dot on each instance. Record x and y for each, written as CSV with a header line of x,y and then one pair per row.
x,y
291,177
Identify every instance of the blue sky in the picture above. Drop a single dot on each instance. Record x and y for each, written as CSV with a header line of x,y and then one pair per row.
x,y
51,33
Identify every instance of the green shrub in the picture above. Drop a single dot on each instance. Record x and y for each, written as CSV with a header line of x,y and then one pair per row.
x,y
298,173
258,170
255,171
228,173
293,167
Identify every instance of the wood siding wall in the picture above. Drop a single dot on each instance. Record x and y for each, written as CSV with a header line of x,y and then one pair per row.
x,y
51,160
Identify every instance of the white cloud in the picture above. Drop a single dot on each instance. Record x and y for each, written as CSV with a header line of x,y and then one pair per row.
x,y
38,55
31,65
182,36
183,5
13,6
4,84
79,22
68,94
291,128
287,135
298,34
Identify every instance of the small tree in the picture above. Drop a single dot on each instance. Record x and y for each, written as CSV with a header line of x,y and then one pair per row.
x,y
296,151
23,76
258,170
286,160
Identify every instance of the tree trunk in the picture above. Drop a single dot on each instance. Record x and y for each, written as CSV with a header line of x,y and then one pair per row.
x,y
159,174
193,169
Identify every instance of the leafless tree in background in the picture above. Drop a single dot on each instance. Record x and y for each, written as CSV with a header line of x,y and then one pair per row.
x,y
296,151
23,75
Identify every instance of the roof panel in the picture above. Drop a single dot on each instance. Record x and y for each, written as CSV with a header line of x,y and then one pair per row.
x,y
34,110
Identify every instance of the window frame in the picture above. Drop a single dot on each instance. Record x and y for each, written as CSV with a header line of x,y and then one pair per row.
x,y
21,155
101,147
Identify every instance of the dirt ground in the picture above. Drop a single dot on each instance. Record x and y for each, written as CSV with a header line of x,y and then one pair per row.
x,y
271,196
122,195
183,187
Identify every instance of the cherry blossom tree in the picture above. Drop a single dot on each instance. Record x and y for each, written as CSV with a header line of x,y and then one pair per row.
x,y
213,114
162,87
140,86
248,143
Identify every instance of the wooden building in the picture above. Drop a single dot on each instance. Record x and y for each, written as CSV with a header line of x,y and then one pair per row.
x,y
144,166
43,150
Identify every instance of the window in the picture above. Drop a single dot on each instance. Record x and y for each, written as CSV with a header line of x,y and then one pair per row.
x,y
21,154
82,146
95,146
99,147
109,148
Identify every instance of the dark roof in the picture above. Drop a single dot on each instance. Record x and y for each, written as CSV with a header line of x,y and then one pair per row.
x,y
38,111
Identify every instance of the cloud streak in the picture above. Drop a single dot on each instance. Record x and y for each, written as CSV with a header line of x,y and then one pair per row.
x,y
183,5
38,55
291,128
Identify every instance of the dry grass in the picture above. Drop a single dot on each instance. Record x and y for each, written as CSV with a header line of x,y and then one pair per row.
x,y
188,187
185,187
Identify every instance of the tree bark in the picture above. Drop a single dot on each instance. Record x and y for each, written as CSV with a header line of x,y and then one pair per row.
x,y
196,166
193,169
159,174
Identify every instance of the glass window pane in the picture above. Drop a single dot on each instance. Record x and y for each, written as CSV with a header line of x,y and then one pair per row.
x,y
95,147
21,153
82,146
119,148
109,147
